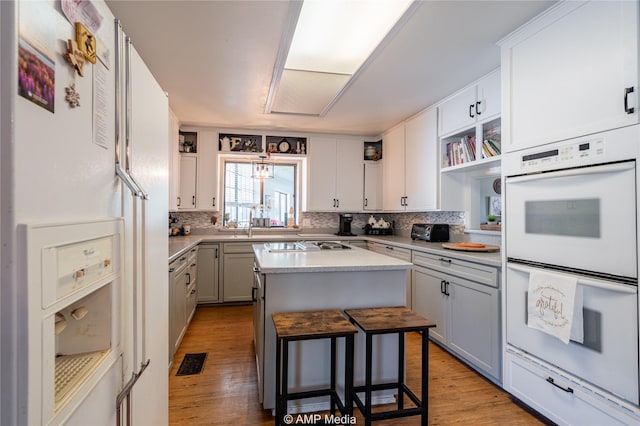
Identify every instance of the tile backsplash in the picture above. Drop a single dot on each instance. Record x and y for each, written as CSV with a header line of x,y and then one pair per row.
x,y
200,222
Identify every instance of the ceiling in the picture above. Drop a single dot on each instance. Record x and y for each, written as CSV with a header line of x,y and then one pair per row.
x,y
216,58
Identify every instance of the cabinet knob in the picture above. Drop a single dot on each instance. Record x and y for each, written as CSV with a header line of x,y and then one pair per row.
x,y
471,111
477,110
179,201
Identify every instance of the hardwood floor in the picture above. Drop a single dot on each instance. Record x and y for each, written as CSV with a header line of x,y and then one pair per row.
x,y
225,392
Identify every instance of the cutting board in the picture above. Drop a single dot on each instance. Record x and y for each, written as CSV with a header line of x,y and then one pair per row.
x,y
456,246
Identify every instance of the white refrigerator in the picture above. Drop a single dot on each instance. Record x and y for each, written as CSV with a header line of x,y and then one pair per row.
x,y
58,173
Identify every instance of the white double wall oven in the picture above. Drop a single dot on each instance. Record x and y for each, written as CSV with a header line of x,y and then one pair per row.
x,y
572,211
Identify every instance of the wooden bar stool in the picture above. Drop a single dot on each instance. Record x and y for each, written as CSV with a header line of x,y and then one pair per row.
x,y
296,326
387,320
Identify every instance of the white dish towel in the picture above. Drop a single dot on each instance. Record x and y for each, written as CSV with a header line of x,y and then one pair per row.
x,y
555,306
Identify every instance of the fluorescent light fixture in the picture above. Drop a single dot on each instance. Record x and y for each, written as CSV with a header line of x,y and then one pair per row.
x,y
331,42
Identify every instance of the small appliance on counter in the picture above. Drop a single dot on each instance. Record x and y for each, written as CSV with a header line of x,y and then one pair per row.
x,y
345,225
431,232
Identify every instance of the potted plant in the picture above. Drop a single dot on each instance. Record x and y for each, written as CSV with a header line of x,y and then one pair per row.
x,y
188,146
491,218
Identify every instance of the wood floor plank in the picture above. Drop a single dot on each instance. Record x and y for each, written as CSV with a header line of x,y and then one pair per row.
x,y
225,392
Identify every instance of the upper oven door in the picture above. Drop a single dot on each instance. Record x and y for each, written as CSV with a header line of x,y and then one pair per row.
x,y
581,218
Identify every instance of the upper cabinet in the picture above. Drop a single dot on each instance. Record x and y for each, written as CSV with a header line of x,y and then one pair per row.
x,y
335,180
570,72
478,102
174,157
188,181
410,174
207,198
194,184
372,186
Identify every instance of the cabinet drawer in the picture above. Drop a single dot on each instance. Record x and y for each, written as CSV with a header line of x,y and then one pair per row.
x,y
390,250
179,264
469,270
238,247
531,384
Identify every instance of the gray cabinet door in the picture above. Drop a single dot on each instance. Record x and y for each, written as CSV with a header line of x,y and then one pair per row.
x,y
474,330
208,291
429,301
237,277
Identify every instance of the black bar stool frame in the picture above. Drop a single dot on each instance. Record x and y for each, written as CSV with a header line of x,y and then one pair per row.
x,y
282,373
421,407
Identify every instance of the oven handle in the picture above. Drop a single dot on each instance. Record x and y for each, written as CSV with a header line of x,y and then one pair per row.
x,y
607,168
620,288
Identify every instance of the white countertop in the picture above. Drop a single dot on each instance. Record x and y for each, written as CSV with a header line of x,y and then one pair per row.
x,y
180,245
337,260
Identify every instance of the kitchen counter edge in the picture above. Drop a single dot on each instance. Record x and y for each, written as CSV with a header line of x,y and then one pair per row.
x,y
180,245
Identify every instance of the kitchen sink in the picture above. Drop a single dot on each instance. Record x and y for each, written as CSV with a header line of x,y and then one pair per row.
x,y
290,247
301,246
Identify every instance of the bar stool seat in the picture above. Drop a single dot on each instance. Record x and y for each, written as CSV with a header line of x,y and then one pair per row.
x,y
309,325
387,320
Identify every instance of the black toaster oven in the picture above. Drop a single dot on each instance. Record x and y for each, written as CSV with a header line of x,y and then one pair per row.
x,y
432,232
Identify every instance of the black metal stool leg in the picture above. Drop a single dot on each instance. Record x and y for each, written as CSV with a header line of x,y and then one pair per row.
x,y
348,375
332,402
367,380
278,372
400,370
285,377
425,376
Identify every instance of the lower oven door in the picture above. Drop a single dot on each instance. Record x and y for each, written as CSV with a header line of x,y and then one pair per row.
x,y
608,357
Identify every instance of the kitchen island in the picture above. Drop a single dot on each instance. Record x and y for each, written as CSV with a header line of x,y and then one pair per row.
x,y
323,279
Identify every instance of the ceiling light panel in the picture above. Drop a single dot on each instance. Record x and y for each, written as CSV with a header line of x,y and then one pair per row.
x,y
307,92
337,36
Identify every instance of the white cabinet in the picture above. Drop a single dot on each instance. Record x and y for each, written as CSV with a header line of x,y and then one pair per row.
x,y
174,157
410,174
208,269
393,172
372,186
478,102
570,72
237,272
335,180
207,171
462,298
188,179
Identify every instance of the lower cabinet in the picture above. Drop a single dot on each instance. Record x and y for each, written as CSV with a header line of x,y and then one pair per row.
x,y
466,311
208,269
237,272
546,390
182,297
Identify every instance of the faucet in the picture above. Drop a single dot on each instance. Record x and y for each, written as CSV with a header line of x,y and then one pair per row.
x,y
249,231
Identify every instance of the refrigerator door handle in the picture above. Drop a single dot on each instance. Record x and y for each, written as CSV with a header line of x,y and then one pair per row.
x,y
120,172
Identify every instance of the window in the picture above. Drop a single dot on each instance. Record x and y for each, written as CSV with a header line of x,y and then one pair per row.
x,y
272,198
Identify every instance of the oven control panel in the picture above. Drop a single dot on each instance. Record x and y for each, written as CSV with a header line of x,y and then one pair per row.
x,y
571,154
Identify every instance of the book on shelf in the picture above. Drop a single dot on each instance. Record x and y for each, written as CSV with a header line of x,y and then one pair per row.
x,y
460,152
490,148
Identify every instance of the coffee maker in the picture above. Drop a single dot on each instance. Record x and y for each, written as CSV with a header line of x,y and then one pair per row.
x,y
345,225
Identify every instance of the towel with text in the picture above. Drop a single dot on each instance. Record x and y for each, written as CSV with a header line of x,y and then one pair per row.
x,y
555,306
